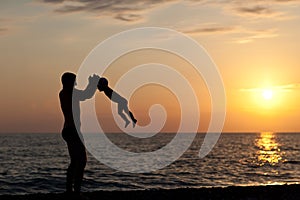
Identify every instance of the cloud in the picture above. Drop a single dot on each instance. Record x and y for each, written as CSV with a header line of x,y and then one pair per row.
x,y
287,1
242,34
256,10
135,11
292,86
124,10
128,17
250,36
53,1
283,88
212,29
261,12
3,31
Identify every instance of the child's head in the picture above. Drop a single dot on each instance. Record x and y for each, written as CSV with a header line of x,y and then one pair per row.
x,y
102,84
68,79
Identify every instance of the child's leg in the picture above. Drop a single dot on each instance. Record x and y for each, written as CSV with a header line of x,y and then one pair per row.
x,y
132,117
120,112
127,111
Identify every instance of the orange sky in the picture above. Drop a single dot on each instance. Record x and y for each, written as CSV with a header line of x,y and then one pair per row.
x,y
255,45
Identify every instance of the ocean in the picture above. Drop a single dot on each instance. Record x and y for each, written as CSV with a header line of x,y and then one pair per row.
x,y
36,163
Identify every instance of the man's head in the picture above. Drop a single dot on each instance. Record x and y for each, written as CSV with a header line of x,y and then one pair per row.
x,y
68,79
102,84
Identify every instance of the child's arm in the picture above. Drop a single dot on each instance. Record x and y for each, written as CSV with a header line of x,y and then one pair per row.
x,y
90,90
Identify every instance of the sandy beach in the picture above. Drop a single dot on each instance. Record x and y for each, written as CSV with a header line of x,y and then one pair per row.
x,y
282,192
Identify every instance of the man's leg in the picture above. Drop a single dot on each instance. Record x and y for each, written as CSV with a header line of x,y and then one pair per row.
x,y
71,168
81,160
69,179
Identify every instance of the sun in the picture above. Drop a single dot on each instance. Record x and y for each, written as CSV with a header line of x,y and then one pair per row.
x,y
267,94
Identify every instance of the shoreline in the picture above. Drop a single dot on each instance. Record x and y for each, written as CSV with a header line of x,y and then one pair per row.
x,y
288,192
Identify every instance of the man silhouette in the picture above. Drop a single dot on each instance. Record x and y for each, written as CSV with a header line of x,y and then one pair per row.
x,y
70,98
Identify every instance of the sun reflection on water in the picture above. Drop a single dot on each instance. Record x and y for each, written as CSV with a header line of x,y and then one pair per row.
x,y
269,149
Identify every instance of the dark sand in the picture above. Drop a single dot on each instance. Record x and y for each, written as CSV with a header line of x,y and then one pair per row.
x,y
282,192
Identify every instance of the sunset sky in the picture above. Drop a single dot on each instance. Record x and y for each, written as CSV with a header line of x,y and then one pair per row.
x,y
255,45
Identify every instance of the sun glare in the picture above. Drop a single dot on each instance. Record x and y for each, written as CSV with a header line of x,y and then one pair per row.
x,y
267,94
267,98
269,149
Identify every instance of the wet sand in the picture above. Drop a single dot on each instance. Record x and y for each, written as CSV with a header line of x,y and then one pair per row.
x,y
288,192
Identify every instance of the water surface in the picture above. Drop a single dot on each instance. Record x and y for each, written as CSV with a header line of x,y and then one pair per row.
x,y
36,163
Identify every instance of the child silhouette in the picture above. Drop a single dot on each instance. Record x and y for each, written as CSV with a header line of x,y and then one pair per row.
x,y
115,97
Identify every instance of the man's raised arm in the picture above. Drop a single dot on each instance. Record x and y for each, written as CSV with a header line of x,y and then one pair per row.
x,y
90,90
